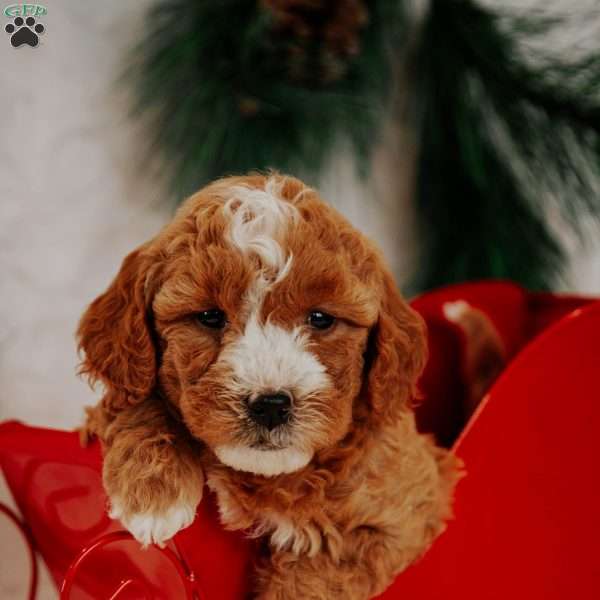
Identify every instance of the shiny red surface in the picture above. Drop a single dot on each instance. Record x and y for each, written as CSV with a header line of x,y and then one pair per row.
x,y
527,518
56,484
186,577
526,522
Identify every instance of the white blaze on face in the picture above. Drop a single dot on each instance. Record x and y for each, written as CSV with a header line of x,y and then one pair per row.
x,y
267,357
259,219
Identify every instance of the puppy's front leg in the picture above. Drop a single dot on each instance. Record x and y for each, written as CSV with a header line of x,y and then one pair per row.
x,y
152,472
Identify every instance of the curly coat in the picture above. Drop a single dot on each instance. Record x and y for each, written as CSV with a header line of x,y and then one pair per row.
x,y
345,496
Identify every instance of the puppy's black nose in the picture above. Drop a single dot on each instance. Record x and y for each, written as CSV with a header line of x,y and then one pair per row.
x,y
270,410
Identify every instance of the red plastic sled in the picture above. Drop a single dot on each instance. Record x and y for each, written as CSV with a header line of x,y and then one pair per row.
x,y
527,516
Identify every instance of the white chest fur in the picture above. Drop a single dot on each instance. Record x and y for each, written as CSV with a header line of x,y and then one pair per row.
x,y
283,532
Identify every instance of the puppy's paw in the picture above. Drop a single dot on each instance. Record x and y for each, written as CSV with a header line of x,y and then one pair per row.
x,y
154,527
154,484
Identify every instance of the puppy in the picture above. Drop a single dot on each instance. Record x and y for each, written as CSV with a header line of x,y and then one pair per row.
x,y
259,341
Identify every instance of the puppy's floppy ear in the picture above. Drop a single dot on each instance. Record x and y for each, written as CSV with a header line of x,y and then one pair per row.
x,y
396,354
116,338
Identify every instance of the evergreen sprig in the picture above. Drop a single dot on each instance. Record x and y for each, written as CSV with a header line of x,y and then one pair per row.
x,y
212,85
505,139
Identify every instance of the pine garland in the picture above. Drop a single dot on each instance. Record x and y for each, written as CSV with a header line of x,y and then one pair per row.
x,y
216,79
499,136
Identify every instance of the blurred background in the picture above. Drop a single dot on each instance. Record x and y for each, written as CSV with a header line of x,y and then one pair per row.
x,y
463,141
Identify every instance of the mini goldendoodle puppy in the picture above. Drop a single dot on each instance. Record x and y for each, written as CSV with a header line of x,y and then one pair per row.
x,y
258,341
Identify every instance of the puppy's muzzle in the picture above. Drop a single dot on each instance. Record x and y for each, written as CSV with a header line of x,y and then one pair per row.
x,y
270,410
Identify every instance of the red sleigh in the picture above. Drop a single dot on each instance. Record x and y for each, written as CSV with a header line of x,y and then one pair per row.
x,y
527,516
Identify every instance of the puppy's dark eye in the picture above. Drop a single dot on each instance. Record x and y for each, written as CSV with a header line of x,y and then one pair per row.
x,y
213,318
320,320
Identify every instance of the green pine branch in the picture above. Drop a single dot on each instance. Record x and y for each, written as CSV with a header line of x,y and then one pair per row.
x,y
213,88
501,137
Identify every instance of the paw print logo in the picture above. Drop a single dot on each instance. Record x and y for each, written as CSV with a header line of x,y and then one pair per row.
x,y
24,32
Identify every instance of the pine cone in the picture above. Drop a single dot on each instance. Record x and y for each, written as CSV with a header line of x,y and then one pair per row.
x,y
321,36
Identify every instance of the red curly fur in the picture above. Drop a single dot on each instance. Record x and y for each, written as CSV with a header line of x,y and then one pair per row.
x,y
374,493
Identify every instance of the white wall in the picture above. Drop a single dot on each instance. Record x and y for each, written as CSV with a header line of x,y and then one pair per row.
x,y
72,205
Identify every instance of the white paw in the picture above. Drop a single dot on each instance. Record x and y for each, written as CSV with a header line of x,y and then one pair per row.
x,y
154,528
